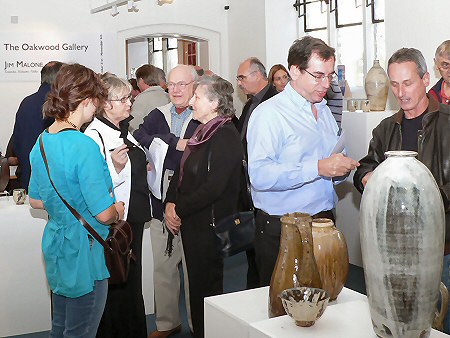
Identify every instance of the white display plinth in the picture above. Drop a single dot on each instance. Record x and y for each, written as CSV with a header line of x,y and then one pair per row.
x,y
24,293
230,315
358,128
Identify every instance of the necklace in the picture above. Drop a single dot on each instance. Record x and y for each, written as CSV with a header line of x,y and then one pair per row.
x,y
72,124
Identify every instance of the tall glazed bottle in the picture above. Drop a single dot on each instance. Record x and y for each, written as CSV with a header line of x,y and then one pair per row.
x,y
402,241
295,264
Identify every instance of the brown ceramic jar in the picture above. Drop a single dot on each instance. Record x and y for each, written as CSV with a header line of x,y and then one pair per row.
x,y
331,254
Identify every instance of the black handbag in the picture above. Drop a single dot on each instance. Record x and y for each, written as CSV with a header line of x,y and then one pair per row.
x,y
235,233
117,246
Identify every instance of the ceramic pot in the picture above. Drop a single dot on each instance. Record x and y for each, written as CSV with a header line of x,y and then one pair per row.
x,y
402,241
376,85
295,264
4,173
331,254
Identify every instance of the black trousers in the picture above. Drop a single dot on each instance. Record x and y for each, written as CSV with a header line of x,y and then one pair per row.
x,y
267,242
204,269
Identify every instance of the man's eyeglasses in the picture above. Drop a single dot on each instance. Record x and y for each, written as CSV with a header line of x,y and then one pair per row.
x,y
243,77
182,85
322,77
123,99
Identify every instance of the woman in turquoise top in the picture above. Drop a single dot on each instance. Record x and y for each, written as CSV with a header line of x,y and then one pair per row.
x,y
75,264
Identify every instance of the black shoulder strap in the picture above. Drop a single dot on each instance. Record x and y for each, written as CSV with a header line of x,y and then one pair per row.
x,y
74,212
103,143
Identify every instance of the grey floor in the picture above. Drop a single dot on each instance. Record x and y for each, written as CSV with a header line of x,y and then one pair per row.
x,y
235,270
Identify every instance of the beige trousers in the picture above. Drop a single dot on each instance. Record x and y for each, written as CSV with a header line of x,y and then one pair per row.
x,y
166,278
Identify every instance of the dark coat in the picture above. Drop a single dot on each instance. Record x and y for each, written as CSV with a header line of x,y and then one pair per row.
x,y
29,124
433,149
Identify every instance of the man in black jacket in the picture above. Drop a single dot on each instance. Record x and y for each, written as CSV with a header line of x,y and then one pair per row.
x,y
252,80
422,125
30,122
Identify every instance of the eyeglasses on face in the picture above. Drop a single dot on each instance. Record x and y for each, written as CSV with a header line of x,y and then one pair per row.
x,y
123,99
322,77
182,85
243,77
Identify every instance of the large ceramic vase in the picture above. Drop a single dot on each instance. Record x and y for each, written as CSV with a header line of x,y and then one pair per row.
x,y
295,264
402,242
376,85
331,254
4,172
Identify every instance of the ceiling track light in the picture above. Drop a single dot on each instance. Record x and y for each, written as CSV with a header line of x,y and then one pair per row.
x,y
162,2
114,11
131,5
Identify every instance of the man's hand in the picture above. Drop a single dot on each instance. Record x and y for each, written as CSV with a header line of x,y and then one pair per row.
x,y
366,177
181,144
336,165
173,222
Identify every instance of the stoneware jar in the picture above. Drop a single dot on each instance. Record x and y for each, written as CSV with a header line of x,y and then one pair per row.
x,y
295,264
331,254
402,242
376,85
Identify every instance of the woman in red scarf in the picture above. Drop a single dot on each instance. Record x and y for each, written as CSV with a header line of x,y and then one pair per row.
x,y
208,178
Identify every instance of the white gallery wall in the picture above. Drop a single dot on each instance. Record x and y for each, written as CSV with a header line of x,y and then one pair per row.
x,y
262,28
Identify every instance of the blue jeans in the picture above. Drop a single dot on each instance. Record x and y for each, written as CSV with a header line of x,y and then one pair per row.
x,y
445,278
79,317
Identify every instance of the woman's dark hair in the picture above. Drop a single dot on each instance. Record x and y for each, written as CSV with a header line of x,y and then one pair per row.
x,y
220,90
73,84
274,69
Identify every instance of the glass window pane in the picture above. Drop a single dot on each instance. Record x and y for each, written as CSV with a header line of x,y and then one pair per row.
x,y
316,16
172,59
348,12
157,59
322,34
172,43
380,43
378,10
157,44
349,52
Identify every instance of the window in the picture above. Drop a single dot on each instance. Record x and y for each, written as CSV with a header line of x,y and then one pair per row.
x,y
354,27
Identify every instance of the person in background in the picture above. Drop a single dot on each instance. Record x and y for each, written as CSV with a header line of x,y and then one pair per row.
x,y
278,77
151,96
135,91
422,124
441,90
124,314
30,122
206,182
335,101
173,124
162,79
252,80
75,263
13,182
290,141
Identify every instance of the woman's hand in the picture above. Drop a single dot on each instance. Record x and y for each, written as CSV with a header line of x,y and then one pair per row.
x,y
173,222
120,208
119,157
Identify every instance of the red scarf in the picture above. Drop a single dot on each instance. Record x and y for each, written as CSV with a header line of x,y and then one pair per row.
x,y
202,134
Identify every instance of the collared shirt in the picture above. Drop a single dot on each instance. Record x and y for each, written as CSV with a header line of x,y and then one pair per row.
x,y
255,101
177,120
285,143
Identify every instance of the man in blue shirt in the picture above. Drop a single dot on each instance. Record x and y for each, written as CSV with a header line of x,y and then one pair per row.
x,y
291,139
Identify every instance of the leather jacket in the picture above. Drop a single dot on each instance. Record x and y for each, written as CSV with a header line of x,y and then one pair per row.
x,y
433,148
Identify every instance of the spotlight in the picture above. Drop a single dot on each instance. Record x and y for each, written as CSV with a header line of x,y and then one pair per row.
x,y
132,6
114,10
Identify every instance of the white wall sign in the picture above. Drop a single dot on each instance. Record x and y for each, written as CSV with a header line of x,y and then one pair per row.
x,y
22,55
